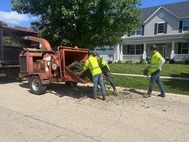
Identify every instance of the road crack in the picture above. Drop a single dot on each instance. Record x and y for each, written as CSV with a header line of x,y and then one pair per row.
x,y
119,119
51,124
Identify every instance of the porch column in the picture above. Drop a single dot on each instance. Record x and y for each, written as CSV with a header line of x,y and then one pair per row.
x,y
117,53
144,52
121,52
173,50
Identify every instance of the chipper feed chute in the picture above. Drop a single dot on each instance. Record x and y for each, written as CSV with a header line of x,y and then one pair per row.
x,y
74,77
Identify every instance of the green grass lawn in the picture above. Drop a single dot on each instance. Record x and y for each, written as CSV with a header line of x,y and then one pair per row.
x,y
171,85
173,70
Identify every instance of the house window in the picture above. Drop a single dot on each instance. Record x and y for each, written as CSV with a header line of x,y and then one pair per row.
x,y
132,49
136,32
110,48
185,25
135,49
138,49
185,48
98,49
161,27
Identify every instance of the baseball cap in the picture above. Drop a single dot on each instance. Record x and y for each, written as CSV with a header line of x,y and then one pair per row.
x,y
153,47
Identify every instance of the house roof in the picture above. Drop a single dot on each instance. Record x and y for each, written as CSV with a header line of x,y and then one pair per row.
x,y
152,39
179,9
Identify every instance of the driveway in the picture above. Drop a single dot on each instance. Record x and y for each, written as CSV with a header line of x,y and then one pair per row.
x,y
65,114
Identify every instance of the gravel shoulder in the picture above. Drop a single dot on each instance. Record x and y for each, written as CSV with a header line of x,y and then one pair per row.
x,y
69,114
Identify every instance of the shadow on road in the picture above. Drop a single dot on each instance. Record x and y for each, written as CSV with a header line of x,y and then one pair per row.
x,y
6,80
24,85
136,91
62,90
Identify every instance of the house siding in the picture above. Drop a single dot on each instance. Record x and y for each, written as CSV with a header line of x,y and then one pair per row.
x,y
168,42
172,26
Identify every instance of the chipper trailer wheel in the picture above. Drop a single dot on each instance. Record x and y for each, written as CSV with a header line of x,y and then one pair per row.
x,y
36,86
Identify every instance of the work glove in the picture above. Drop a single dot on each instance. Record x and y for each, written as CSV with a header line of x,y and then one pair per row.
x,y
146,71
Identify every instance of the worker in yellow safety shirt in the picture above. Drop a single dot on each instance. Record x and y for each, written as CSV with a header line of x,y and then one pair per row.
x,y
93,66
157,62
105,70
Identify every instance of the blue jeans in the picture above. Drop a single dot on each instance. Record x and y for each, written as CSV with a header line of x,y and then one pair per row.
x,y
98,78
108,75
155,77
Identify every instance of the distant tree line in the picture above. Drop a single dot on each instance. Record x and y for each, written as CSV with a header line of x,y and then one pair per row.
x,y
3,23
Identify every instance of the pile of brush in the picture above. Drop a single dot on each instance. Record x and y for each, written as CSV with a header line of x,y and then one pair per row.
x,y
77,67
13,41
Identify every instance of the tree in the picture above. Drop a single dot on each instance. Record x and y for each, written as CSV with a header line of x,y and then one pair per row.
x,y
3,23
84,23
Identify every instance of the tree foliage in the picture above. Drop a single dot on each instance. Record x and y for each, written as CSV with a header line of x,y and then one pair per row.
x,y
85,23
3,23
186,35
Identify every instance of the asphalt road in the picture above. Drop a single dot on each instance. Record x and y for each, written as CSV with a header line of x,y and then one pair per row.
x,y
66,114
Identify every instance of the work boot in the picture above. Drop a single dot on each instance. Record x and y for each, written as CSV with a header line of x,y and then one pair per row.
x,y
94,98
115,90
146,95
104,98
161,95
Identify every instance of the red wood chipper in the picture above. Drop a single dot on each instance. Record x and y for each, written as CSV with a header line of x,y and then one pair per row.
x,y
42,66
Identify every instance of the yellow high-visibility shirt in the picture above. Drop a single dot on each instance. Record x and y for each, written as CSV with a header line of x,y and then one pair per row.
x,y
92,65
104,63
155,61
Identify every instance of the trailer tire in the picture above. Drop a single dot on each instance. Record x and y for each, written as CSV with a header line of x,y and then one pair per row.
x,y
36,87
71,83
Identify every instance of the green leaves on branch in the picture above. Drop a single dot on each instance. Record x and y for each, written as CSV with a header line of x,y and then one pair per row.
x,y
77,67
85,23
186,36
3,23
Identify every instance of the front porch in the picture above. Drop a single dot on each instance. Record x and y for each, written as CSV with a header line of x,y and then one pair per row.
x,y
132,57
175,48
181,57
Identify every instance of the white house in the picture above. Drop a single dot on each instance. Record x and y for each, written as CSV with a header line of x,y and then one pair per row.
x,y
163,26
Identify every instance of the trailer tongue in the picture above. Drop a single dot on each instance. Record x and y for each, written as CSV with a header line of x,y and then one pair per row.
x,y
42,66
